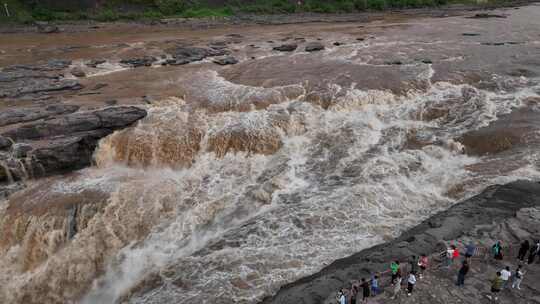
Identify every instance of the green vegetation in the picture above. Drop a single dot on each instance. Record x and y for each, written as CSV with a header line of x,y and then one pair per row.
x,y
26,11
16,10
207,12
171,7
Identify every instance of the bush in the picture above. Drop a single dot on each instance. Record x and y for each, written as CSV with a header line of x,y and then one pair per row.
x,y
42,14
206,12
360,5
338,6
376,4
283,6
269,7
171,7
152,14
107,15
345,6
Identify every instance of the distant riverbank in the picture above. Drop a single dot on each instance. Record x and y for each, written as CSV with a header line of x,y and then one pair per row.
x,y
28,12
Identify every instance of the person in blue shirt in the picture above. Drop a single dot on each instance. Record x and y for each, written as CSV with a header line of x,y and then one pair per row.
x,y
469,250
375,285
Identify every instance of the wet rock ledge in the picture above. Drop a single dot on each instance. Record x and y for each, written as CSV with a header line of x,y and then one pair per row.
x,y
43,141
492,209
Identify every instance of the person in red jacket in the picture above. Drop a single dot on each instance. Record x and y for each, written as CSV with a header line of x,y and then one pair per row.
x,y
455,254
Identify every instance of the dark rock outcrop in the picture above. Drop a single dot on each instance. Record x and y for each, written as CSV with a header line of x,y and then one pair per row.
x,y
21,80
34,86
66,154
218,44
493,43
78,72
4,143
226,61
50,65
94,63
47,28
394,62
314,46
495,204
19,115
104,119
61,144
189,54
486,15
185,55
286,47
138,62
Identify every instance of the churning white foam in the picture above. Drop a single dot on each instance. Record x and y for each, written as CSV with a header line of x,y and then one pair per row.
x,y
245,224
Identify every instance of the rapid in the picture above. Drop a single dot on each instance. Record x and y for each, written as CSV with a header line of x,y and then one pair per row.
x,y
245,178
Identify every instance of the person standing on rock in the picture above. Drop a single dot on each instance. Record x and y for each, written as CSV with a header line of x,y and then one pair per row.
x,y
423,263
449,255
535,250
518,277
469,250
341,297
523,250
397,288
461,274
496,285
411,281
413,264
505,276
394,268
375,285
365,290
455,254
496,249
354,294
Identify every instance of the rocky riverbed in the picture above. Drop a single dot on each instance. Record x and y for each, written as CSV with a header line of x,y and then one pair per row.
x,y
223,162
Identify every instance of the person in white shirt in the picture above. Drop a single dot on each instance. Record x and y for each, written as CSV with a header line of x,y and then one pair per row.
x,y
505,276
410,283
342,297
449,255
397,287
518,277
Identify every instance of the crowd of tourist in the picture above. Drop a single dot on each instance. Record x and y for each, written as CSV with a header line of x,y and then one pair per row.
x,y
361,291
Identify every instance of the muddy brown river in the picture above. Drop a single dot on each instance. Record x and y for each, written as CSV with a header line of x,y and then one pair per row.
x,y
244,177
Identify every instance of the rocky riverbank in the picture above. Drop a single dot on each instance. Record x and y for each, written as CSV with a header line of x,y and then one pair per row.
x,y
40,135
499,212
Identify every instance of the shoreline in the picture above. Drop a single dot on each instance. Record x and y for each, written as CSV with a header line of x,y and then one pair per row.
x,y
70,26
493,205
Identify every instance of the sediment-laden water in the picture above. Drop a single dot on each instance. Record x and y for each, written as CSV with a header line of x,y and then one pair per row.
x,y
244,178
